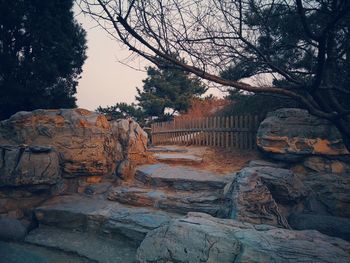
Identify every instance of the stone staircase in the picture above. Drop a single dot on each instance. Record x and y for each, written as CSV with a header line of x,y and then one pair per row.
x,y
106,223
177,189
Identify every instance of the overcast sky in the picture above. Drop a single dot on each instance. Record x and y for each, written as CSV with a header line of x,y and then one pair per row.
x,y
104,80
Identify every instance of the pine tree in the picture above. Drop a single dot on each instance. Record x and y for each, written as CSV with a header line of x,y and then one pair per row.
x,y
168,88
42,50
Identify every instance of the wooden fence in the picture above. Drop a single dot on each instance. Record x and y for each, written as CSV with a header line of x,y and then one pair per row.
x,y
228,132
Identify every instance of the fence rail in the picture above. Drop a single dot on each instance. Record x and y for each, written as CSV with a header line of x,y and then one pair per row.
x,y
228,132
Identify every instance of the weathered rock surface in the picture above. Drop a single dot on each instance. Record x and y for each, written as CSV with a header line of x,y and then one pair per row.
x,y
263,163
180,202
202,238
326,165
180,177
132,141
291,133
125,169
83,139
329,225
20,252
104,250
23,165
258,193
167,149
101,217
330,194
131,137
12,229
178,158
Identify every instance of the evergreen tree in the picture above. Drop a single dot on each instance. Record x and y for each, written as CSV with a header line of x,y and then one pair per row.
x,y
42,50
122,110
168,88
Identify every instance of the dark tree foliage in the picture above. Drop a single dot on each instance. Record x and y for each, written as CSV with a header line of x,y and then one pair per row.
x,y
168,88
123,110
255,104
164,88
42,50
303,45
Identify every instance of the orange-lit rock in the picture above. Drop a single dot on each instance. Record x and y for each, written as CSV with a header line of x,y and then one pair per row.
x,y
294,132
130,135
83,139
94,179
326,165
133,140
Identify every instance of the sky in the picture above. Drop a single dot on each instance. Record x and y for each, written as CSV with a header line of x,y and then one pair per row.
x,y
104,80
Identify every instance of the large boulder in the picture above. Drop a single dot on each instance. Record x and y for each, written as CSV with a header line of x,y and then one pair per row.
x,y
12,229
202,238
23,165
290,134
83,139
264,195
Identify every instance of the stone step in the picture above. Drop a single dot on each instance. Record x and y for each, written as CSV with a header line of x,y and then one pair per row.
x,y
167,149
87,245
178,158
181,178
181,202
100,217
13,252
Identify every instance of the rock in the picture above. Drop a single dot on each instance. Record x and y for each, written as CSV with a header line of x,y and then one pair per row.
x,y
88,245
330,194
284,185
97,189
125,169
262,163
20,205
202,238
22,165
178,158
100,216
132,138
180,177
12,229
251,201
257,195
329,225
168,149
83,139
23,252
180,202
287,134
326,165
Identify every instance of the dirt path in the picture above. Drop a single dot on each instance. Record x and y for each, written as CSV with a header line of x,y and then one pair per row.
x,y
218,160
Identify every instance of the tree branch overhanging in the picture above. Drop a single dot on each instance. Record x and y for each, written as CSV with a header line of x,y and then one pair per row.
x,y
284,38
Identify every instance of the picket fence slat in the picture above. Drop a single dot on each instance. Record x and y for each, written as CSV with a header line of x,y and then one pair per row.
x,y
227,132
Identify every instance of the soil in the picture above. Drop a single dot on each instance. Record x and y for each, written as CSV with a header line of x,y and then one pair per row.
x,y
222,161
218,160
